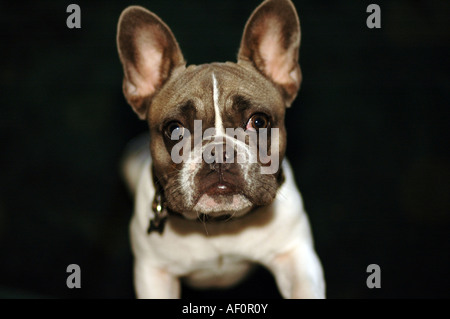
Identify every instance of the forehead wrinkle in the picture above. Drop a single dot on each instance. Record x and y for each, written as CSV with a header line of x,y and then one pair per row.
x,y
240,103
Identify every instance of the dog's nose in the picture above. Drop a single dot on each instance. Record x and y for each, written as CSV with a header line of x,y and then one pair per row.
x,y
222,161
219,167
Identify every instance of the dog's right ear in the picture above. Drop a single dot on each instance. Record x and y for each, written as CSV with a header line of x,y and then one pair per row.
x,y
149,53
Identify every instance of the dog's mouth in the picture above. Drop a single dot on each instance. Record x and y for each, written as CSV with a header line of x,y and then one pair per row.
x,y
220,188
217,196
218,184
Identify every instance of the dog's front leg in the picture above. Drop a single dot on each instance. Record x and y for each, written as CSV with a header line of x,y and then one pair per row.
x,y
154,283
298,273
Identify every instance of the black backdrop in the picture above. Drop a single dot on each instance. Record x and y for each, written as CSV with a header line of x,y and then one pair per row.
x,y
368,139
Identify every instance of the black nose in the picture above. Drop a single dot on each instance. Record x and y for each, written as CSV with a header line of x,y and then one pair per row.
x,y
222,160
219,167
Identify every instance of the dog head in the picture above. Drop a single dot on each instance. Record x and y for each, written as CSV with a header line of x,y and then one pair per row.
x,y
217,130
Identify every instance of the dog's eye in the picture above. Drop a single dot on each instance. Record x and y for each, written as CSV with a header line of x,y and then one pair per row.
x,y
257,122
174,131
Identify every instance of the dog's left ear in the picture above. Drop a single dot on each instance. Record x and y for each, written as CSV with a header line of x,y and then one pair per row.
x,y
271,43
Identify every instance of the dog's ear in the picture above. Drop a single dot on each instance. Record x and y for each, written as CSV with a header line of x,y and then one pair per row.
x,y
271,43
148,52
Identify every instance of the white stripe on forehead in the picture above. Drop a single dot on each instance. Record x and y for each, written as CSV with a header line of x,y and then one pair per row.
x,y
218,117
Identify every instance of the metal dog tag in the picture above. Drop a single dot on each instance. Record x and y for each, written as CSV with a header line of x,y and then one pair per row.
x,y
157,223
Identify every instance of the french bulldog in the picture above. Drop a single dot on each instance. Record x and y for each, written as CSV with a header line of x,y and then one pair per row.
x,y
209,202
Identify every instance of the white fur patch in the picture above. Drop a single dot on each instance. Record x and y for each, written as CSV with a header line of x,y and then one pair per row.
x,y
206,204
218,117
187,175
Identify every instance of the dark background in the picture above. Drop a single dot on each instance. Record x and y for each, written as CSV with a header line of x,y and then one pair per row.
x,y
368,139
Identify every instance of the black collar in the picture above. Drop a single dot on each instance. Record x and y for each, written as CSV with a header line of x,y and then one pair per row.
x,y
159,207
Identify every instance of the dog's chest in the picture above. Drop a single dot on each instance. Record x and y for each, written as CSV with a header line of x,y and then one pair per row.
x,y
202,251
